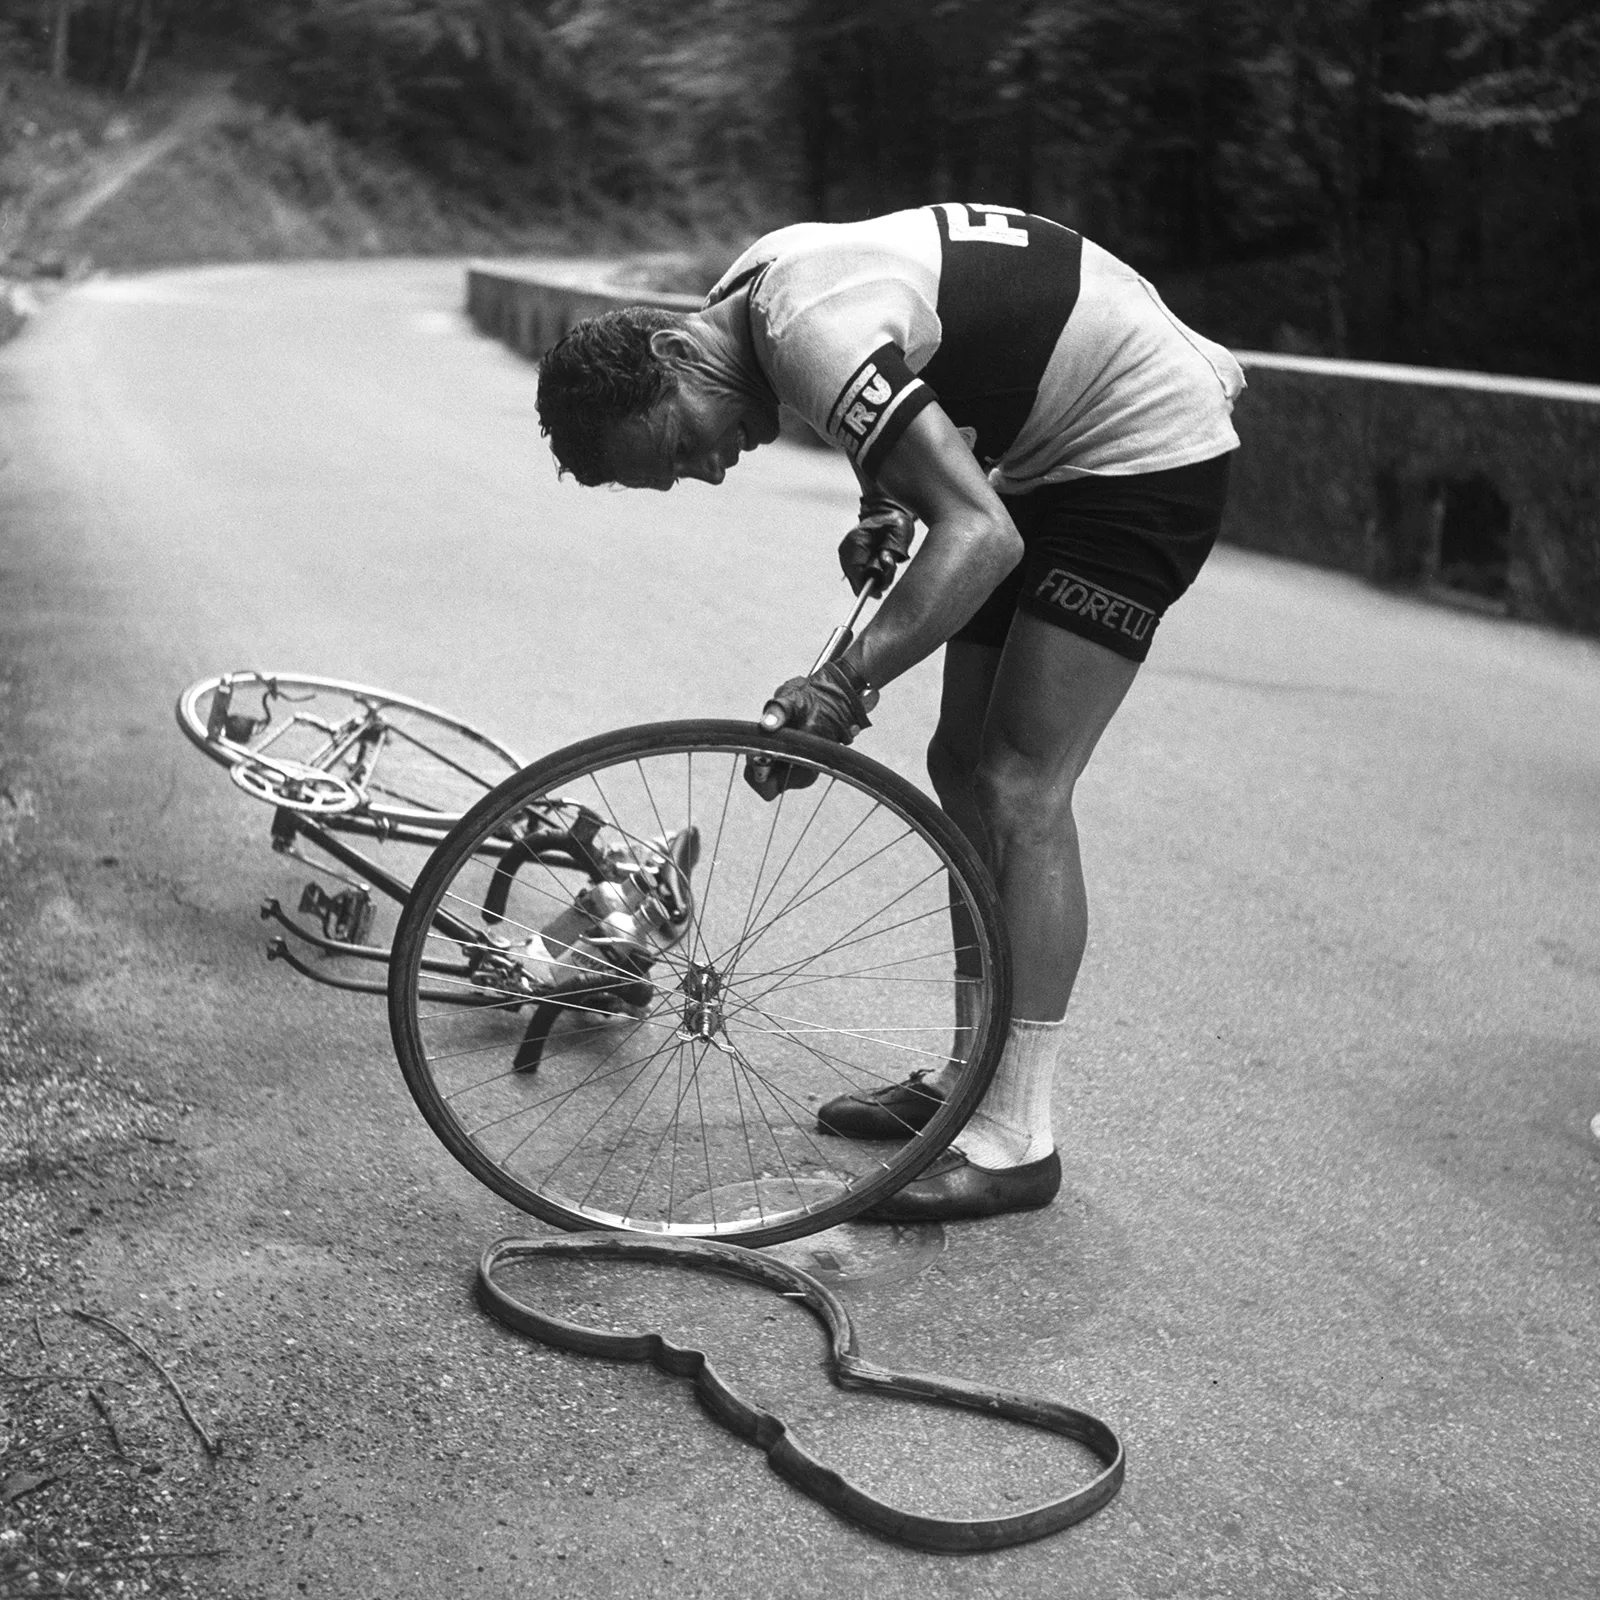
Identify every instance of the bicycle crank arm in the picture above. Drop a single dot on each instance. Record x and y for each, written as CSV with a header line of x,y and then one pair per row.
x,y
278,950
271,911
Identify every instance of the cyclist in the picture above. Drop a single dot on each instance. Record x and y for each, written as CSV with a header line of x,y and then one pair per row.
x,y
1064,439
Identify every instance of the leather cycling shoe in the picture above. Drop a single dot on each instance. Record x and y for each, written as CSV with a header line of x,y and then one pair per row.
x,y
895,1112
952,1189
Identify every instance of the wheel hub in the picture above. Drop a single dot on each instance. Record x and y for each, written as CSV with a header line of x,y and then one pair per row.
x,y
702,1006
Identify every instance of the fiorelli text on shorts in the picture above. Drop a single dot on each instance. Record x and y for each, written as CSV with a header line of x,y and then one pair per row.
x,y
1115,611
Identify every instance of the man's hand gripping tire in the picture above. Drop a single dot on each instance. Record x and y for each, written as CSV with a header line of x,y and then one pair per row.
x,y
831,703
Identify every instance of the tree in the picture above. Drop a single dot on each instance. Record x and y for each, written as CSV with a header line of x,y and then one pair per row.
x,y
60,29
1520,64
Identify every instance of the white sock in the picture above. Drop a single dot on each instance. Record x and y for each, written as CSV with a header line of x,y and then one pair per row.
x,y
1011,1126
969,991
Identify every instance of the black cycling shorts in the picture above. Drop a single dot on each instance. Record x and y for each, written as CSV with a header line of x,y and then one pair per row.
x,y
1104,557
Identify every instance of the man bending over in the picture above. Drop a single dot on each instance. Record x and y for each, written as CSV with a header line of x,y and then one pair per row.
x,y
1065,441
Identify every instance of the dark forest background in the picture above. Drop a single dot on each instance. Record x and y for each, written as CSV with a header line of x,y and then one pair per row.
x,y
1410,180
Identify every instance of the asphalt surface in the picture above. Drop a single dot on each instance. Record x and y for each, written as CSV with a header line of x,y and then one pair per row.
x,y
1326,1256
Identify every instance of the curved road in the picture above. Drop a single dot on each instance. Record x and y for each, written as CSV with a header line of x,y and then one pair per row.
x,y
1327,1255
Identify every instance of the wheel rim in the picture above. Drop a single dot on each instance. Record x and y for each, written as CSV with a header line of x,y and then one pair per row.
x,y
817,962
402,760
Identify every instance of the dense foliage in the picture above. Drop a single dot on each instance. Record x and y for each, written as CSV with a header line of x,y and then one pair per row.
x,y
1403,179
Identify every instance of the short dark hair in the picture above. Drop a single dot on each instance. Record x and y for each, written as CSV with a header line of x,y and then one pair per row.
x,y
598,375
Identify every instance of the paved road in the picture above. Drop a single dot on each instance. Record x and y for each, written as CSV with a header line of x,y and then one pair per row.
x,y
1327,1255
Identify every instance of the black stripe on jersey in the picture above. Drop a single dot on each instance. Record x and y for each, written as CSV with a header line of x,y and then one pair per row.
x,y
1003,301
875,406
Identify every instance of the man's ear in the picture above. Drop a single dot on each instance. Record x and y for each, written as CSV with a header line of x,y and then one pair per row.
x,y
672,347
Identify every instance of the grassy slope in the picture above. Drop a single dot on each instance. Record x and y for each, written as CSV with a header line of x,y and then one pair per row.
x,y
228,181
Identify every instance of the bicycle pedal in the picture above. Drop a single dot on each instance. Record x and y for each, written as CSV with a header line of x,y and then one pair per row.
x,y
346,917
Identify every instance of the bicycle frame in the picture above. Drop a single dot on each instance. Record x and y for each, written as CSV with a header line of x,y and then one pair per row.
x,y
321,802
346,916
325,767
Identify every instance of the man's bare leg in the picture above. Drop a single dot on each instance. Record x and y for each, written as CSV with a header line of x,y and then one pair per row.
x,y
953,752
1016,730
1052,699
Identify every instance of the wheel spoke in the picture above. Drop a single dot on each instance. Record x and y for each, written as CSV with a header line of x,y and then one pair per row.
x,y
744,947
849,1073
669,1131
844,943
716,857
795,1184
616,1142
876,1036
780,1097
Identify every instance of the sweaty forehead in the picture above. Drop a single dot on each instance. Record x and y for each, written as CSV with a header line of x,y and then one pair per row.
x,y
641,450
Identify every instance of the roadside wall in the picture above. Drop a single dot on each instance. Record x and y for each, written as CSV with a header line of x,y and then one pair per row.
x,y
1361,466
1402,475
530,307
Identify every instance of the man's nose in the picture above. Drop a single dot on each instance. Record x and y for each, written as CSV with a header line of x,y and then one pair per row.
x,y
704,469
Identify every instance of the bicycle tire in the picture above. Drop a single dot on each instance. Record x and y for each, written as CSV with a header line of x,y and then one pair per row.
x,y
590,1128
434,769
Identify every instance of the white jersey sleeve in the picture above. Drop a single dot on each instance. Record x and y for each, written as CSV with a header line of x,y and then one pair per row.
x,y
842,316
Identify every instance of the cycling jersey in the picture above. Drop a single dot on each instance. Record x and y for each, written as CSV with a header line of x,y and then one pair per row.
x,y
1053,358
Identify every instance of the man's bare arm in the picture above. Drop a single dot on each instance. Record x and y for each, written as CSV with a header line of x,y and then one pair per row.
x,y
970,545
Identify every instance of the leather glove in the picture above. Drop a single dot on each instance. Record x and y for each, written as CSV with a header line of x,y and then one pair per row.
x,y
878,543
831,703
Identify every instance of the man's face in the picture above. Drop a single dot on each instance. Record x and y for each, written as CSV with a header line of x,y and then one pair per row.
x,y
698,432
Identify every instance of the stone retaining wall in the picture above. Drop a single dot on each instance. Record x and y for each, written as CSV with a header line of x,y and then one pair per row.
x,y
1488,487
1412,475
530,307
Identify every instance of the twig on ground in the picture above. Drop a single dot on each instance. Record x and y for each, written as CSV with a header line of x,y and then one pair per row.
x,y
31,1483
38,1333
212,1446
63,1436
150,1555
8,1376
104,1409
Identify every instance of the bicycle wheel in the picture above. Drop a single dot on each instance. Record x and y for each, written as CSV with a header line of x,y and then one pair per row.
x,y
677,1093
395,759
